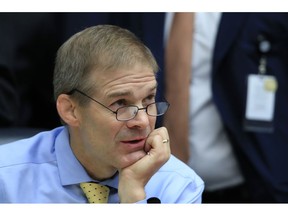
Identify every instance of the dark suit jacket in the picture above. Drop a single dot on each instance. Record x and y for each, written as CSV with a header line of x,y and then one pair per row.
x,y
28,43
263,156
9,101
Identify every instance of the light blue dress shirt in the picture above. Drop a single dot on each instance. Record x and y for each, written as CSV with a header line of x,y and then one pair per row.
x,y
43,169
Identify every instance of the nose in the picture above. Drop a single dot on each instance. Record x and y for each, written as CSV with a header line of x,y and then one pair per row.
x,y
141,120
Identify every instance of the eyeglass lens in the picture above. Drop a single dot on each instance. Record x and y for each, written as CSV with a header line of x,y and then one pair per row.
x,y
129,112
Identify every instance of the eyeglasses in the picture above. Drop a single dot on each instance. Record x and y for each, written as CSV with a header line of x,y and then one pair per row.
x,y
127,113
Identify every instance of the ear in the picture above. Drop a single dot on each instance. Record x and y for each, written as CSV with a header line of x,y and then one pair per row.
x,y
67,110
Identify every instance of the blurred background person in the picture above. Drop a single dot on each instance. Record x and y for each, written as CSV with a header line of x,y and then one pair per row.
x,y
240,158
28,45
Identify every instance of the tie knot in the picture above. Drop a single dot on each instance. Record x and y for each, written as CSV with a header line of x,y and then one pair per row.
x,y
95,193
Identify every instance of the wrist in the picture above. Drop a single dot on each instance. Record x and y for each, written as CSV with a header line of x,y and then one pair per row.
x,y
132,195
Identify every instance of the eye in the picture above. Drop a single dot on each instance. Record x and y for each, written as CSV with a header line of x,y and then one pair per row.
x,y
149,99
119,103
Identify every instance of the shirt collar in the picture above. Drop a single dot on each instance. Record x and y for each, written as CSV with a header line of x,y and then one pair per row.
x,y
70,170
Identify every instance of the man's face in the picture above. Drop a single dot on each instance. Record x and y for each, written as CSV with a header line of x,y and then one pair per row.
x,y
107,144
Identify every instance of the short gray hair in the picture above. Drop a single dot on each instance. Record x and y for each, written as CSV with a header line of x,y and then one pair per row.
x,y
101,47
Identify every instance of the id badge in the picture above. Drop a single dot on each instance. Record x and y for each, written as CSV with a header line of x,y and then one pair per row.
x,y
260,103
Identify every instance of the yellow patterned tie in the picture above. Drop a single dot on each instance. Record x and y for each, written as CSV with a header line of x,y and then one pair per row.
x,y
95,193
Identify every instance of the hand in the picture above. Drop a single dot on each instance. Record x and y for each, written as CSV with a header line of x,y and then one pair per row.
x,y
132,179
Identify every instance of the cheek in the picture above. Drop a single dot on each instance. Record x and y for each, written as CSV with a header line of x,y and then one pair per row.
x,y
104,131
100,140
152,122
96,127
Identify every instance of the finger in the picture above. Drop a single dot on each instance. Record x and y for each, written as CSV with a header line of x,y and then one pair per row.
x,y
160,131
156,147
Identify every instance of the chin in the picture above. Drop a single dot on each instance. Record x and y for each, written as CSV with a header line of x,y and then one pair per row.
x,y
132,158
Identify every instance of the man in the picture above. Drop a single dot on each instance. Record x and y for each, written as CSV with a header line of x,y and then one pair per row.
x,y
105,90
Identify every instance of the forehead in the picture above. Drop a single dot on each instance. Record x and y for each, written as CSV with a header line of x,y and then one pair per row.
x,y
125,81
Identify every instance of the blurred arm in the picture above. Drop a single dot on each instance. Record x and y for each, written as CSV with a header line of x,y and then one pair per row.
x,y
178,54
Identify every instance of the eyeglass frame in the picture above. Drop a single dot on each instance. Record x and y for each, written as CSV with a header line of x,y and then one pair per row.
x,y
116,112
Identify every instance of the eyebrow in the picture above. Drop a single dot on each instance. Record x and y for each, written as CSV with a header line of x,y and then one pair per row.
x,y
128,93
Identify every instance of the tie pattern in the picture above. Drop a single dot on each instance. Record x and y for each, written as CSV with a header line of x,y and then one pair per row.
x,y
95,193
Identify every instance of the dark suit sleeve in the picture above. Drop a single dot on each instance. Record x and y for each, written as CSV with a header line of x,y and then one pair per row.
x,y
28,44
8,98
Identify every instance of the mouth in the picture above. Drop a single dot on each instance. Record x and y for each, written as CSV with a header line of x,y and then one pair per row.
x,y
134,141
133,145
